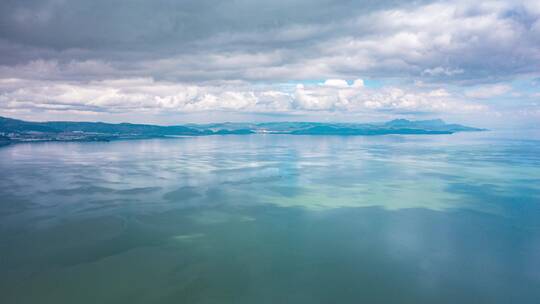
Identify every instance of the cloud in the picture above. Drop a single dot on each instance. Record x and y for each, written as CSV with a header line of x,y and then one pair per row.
x,y
488,91
337,83
457,41
442,71
248,56
140,95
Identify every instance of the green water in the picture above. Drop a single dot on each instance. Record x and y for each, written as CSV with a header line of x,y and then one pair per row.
x,y
272,219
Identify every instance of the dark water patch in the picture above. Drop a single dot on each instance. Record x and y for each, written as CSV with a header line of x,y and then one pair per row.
x,y
84,190
136,191
182,194
11,204
351,254
90,190
286,191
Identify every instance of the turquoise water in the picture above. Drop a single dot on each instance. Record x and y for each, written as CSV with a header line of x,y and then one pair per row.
x,y
272,219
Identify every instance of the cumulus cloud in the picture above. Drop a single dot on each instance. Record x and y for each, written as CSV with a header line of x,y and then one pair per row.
x,y
140,95
338,83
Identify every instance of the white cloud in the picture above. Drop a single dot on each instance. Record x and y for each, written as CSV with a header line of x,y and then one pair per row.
x,y
437,71
337,83
488,91
139,95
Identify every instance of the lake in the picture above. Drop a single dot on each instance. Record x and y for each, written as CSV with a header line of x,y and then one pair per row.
x,y
272,219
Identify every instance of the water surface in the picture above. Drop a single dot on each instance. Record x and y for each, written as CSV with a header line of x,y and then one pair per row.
x,y
272,219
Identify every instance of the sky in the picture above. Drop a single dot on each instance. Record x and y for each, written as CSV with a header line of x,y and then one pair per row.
x,y
171,62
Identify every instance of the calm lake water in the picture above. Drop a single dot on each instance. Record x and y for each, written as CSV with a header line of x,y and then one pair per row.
x,y
272,219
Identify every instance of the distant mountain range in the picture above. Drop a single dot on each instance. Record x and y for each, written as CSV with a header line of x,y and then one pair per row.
x,y
14,130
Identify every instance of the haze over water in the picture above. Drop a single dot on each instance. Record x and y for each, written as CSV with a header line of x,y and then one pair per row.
x,y
272,219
